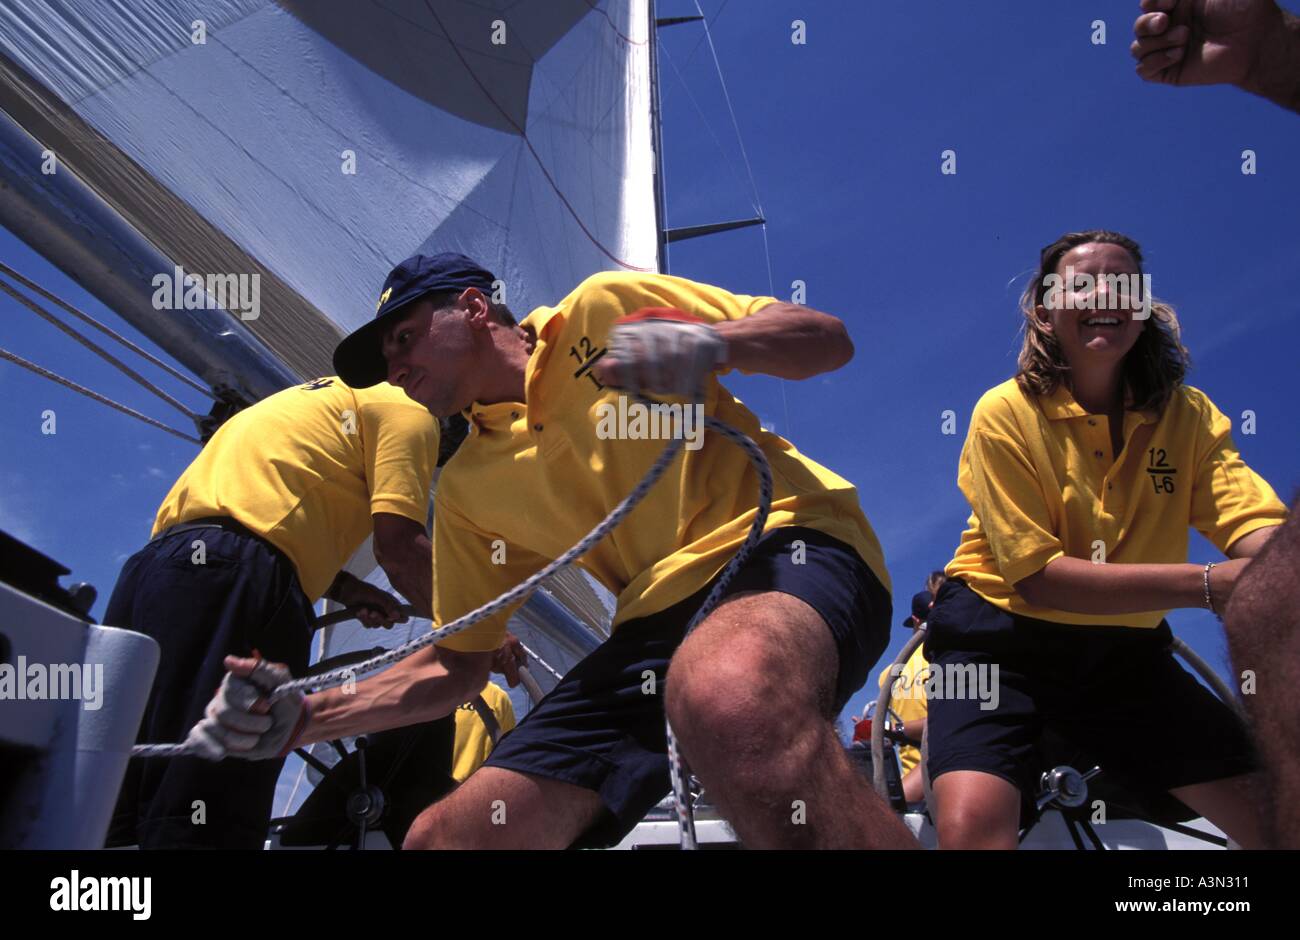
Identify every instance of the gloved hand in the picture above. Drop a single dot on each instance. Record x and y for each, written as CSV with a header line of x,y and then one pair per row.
x,y
659,349
240,721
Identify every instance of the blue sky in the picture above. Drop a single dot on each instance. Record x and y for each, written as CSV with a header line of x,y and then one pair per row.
x,y
844,136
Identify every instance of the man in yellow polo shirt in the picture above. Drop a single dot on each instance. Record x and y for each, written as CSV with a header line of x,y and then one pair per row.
x,y
255,530
553,447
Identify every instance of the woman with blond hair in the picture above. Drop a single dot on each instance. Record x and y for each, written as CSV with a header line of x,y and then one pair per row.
x,y
1084,474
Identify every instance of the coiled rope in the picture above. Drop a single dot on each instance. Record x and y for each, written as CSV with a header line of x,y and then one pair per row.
x,y
678,771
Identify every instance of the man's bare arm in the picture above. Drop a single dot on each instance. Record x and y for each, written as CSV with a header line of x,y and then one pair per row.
x,y
788,341
1253,44
1263,627
422,687
404,551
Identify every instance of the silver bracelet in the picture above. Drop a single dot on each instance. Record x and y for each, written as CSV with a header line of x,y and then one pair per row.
x,y
1209,598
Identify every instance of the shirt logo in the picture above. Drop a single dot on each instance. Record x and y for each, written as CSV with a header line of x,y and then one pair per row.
x,y
587,357
383,297
317,385
1159,471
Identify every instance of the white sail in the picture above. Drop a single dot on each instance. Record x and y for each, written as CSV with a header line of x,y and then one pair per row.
x,y
318,142
315,144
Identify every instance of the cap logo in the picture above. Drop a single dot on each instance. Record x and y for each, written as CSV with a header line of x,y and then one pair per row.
x,y
383,298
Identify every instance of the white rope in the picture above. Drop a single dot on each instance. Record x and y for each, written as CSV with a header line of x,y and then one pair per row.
x,y
544,664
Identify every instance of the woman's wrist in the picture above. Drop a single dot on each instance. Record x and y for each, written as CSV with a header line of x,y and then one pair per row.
x,y
1209,589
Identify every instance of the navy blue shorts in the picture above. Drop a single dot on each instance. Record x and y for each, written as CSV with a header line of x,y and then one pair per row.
x,y
1117,694
245,596
597,730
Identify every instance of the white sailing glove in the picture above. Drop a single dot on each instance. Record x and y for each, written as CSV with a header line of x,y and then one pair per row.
x,y
236,725
663,350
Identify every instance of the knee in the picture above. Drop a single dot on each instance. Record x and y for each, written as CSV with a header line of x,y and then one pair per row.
x,y
738,715
975,824
433,829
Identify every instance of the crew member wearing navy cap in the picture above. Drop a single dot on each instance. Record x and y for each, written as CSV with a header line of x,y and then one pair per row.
x,y
752,693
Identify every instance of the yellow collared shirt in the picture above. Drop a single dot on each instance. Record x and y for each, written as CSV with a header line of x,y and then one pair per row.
x,y
306,468
473,742
907,700
1042,483
534,477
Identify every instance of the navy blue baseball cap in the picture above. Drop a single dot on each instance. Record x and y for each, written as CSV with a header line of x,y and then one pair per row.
x,y
920,607
359,359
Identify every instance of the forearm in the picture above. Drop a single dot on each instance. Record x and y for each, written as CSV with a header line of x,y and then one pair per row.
x,y
403,550
411,572
788,341
421,688
1276,74
1082,587
333,592
1263,629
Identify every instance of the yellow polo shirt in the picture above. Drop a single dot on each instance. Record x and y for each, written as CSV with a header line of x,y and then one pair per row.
x,y
1042,483
534,477
907,699
473,743
306,468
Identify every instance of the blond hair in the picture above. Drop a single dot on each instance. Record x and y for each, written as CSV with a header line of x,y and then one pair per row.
x,y
1153,368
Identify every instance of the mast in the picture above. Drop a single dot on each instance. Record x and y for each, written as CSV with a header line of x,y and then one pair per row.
x,y
656,132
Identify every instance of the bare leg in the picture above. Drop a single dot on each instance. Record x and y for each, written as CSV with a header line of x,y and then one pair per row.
x,y
1229,804
501,809
913,785
748,695
1263,626
976,811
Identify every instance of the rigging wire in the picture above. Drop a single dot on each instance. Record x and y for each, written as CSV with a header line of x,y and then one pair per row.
x,y
81,389
707,23
732,111
87,318
757,200
97,350
708,125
